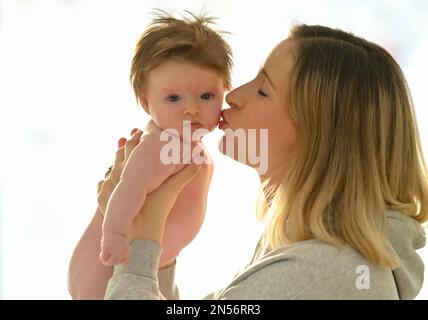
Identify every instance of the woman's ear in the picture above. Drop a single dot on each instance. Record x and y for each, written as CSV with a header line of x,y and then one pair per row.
x,y
145,104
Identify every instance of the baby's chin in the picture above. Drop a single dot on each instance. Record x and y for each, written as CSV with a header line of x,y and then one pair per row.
x,y
195,134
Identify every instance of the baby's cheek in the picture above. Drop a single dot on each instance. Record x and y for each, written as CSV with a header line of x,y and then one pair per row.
x,y
217,108
213,123
170,120
214,116
175,118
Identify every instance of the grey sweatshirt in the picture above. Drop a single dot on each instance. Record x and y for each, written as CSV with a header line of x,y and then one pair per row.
x,y
309,269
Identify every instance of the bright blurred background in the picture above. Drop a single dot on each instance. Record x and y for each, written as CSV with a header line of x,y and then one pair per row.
x,y
65,99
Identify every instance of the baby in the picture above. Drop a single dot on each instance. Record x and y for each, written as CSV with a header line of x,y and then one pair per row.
x,y
180,71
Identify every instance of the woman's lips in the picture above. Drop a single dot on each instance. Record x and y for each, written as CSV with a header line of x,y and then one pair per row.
x,y
223,122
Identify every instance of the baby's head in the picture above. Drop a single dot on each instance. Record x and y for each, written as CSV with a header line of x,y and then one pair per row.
x,y
180,72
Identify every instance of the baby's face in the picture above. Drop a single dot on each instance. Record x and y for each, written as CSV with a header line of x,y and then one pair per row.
x,y
179,90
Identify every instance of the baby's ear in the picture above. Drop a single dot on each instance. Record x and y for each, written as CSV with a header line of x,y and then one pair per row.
x,y
144,103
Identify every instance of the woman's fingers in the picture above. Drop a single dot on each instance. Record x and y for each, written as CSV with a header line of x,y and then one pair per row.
x,y
120,154
99,186
105,193
125,146
178,181
159,203
105,187
121,142
132,143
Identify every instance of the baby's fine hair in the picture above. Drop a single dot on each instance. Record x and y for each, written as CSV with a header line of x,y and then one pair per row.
x,y
189,38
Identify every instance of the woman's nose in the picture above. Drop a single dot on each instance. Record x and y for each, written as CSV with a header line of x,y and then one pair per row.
x,y
232,99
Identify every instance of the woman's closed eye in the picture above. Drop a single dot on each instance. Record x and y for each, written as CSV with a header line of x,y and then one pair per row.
x,y
173,98
262,93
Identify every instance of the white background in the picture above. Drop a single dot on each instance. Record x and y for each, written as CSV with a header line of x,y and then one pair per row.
x,y
65,99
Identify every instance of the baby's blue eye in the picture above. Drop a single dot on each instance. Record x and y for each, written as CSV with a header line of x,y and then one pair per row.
x,y
173,98
206,96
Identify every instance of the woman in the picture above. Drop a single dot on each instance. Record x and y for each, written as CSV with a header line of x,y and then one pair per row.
x,y
345,192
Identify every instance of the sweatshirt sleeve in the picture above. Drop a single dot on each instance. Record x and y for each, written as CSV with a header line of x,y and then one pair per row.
x,y
141,279
297,271
138,280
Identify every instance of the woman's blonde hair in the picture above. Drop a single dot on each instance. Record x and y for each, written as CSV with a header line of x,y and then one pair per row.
x,y
358,151
189,38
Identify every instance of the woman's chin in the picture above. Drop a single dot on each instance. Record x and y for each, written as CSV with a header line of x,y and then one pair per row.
x,y
226,145
234,149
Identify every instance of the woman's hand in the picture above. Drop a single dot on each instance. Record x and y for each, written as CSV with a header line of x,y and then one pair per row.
x,y
105,187
150,221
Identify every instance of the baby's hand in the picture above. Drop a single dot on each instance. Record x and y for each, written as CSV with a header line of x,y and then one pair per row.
x,y
114,249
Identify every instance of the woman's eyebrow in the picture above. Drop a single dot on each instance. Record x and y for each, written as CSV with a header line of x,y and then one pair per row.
x,y
266,75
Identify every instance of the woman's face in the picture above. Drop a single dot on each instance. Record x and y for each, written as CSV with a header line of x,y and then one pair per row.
x,y
261,104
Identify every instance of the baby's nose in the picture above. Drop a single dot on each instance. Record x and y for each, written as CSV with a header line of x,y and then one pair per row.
x,y
192,109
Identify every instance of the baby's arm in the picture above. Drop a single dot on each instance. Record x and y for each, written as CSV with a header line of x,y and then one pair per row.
x,y
143,173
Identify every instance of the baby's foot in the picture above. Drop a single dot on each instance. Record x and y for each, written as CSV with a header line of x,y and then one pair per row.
x,y
114,249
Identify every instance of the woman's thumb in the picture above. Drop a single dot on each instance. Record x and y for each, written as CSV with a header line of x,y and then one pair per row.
x,y
179,180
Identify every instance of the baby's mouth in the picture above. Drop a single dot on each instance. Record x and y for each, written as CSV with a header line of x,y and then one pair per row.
x,y
193,124
196,125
